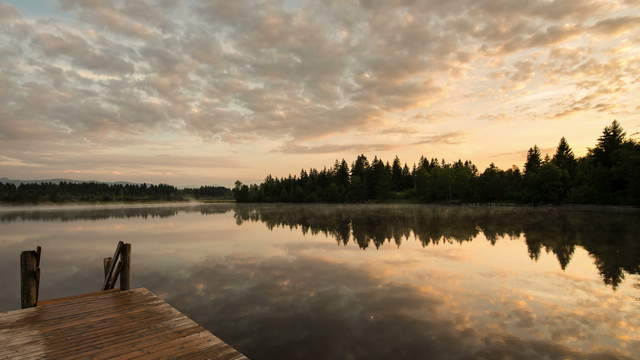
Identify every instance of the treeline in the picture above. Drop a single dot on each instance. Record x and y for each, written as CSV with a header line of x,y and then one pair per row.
x,y
608,174
101,192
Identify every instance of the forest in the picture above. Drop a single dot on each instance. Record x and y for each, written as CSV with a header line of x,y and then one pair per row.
x,y
102,192
608,174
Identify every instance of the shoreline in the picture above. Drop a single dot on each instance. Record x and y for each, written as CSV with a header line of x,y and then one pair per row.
x,y
192,202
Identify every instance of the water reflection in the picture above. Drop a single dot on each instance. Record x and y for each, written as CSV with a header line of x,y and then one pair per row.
x,y
611,238
310,308
76,213
291,281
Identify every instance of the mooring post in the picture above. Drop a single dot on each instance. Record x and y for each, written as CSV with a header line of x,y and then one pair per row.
x,y
125,276
38,253
29,273
107,264
112,266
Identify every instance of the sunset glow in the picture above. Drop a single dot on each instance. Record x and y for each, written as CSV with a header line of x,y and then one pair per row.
x,y
203,92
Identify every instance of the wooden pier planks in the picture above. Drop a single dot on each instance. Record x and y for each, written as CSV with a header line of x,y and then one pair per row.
x,y
132,324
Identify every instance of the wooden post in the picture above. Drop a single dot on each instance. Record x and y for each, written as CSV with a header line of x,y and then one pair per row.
x,y
107,264
125,276
112,266
38,254
28,279
114,276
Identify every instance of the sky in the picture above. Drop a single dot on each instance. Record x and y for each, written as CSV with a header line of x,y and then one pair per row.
x,y
207,92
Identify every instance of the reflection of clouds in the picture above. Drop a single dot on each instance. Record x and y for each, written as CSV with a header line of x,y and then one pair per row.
x,y
305,307
283,294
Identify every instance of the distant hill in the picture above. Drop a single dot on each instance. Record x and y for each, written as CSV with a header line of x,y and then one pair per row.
x,y
6,180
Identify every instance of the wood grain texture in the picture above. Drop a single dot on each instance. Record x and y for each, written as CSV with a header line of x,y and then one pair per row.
x,y
132,324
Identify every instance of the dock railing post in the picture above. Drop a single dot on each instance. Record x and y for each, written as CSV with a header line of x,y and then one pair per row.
x,y
125,276
29,276
107,264
112,266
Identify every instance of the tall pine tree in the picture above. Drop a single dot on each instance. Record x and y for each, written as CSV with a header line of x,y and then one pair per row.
x,y
534,160
564,158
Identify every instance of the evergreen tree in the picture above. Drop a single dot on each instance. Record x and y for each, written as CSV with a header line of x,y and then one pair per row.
x,y
407,179
360,167
396,175
564,158
342,174
606,151
566,163
378,180
534,160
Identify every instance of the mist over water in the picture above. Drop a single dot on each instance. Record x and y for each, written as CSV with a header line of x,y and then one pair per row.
x,y
360,281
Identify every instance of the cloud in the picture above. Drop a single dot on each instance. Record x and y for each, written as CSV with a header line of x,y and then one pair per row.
x,y
136,161
333,148
8,12
222,69
399,130
246,71
449,138
552,35
8,161
617,25
500,117
81,53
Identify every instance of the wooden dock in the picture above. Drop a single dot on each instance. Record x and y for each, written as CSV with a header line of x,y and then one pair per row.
x,y
111,324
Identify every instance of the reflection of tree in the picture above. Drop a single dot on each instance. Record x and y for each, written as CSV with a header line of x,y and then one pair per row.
x,y
608,237
103,213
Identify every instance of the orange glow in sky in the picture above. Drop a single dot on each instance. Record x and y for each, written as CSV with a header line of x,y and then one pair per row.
x,y
207,92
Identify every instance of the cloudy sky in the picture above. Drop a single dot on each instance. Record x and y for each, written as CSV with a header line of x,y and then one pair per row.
x,y
201,92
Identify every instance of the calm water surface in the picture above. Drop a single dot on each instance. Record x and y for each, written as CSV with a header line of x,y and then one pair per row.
x,y
360,281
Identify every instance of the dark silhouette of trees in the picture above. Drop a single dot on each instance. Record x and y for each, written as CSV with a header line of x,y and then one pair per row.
x,y
608,174
342,174
607,151
396,175
534,160
378,180
566,162
103,192
564,158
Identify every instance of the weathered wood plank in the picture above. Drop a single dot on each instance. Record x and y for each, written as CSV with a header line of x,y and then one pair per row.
x,y
133,324
67,299
65,332
58,310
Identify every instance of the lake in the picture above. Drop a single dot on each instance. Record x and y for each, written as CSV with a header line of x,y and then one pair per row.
x,y
359,281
